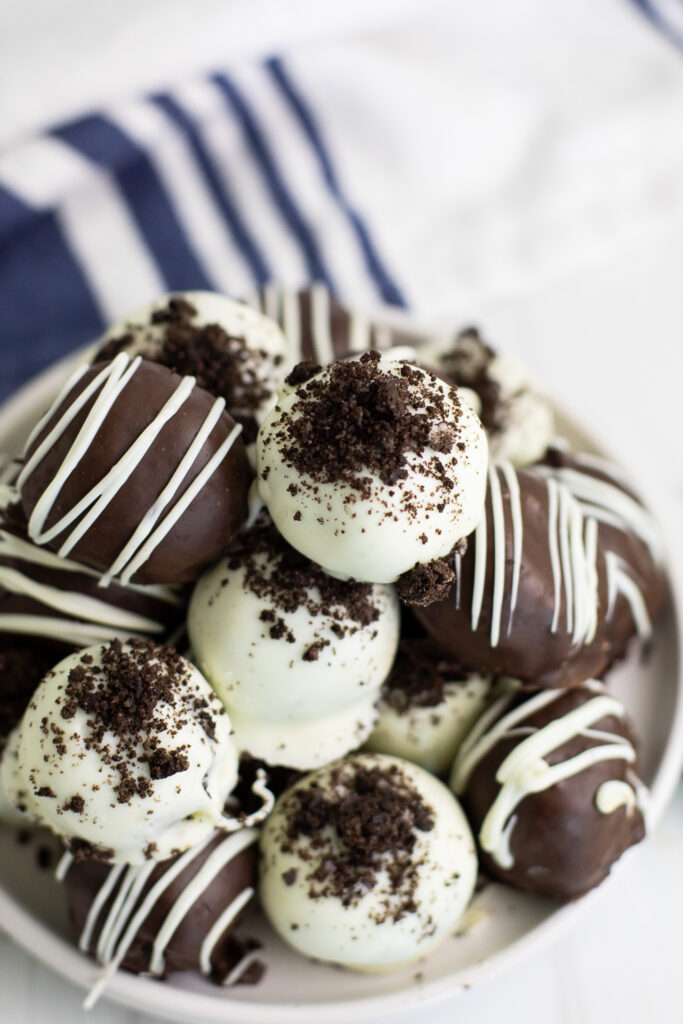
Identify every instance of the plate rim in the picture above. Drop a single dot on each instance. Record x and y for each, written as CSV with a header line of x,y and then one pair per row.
x,y
158,998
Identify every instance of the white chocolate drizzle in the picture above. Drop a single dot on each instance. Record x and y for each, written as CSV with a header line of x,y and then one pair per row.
x,y
525,771
165,510
572,552
132,906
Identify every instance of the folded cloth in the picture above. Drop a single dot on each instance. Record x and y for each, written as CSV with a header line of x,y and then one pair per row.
x,y
443,163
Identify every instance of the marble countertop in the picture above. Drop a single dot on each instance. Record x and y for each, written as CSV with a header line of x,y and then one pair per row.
x,y
609,340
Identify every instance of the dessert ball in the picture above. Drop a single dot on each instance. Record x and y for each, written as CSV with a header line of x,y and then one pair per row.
x,y
427,707
307,743
281,641
368,862
124,751
157,918
529,597
628,535
317,327
59,604
232,351
135,472
371,466
518,420
550,786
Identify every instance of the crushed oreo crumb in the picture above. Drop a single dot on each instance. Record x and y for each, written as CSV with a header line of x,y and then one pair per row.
x,y
418,676
426,584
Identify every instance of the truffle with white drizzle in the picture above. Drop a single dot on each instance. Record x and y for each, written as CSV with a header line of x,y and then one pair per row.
x,y
550,785
125,752
286,647
162,917
371,466
234,352
136,472
530,596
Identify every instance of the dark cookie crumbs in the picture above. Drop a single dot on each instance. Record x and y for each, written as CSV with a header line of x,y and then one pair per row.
x,y
425,584
364,822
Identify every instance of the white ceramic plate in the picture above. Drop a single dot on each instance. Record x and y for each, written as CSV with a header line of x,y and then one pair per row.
x,y
501,924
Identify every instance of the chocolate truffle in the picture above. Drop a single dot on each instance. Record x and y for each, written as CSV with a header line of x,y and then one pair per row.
x,y
371,466
232,351
427,707
518,419
124,750
289,649
136,472
367,862
628,535
530,594
318,328
59,603
550,786
161,917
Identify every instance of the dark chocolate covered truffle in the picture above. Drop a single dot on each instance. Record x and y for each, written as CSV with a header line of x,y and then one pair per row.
x,y
136,472
550,785
537,594
161,917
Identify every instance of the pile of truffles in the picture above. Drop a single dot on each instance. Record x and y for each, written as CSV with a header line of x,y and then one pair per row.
x,y
299,608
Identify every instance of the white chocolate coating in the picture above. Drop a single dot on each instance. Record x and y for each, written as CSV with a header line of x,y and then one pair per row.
x,y
376,539
180,809
308,744
431,736
362,935
270,680
260,333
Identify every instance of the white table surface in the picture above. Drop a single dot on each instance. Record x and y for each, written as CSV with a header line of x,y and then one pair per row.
x,y
610,340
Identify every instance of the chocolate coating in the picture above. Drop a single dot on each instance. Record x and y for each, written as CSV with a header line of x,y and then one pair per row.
x,y
203,529
23,663
561,594
560,843
85,880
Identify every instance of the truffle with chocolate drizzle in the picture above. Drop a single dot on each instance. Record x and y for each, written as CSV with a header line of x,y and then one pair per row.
x,y
136,472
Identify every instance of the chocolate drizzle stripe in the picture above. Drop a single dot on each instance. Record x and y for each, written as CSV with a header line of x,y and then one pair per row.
x,y
480,545
525,771
565,558
105,891
110,382
220,926
458,579
241,967
320,317
132,884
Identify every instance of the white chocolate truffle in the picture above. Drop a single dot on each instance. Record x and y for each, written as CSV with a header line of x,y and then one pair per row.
x,y
306,744
124,749
428,729
519,420
368,862
280,641
370,467
229,347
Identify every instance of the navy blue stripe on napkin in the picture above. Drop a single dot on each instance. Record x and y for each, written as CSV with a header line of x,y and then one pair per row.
x,y
246,243
659,15
105,144
388,290
46,305
285,201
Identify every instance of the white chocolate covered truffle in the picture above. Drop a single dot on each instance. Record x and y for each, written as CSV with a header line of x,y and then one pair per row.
x,y
124,750
368,862
371,466
519,420
281,641
427,709
233,351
